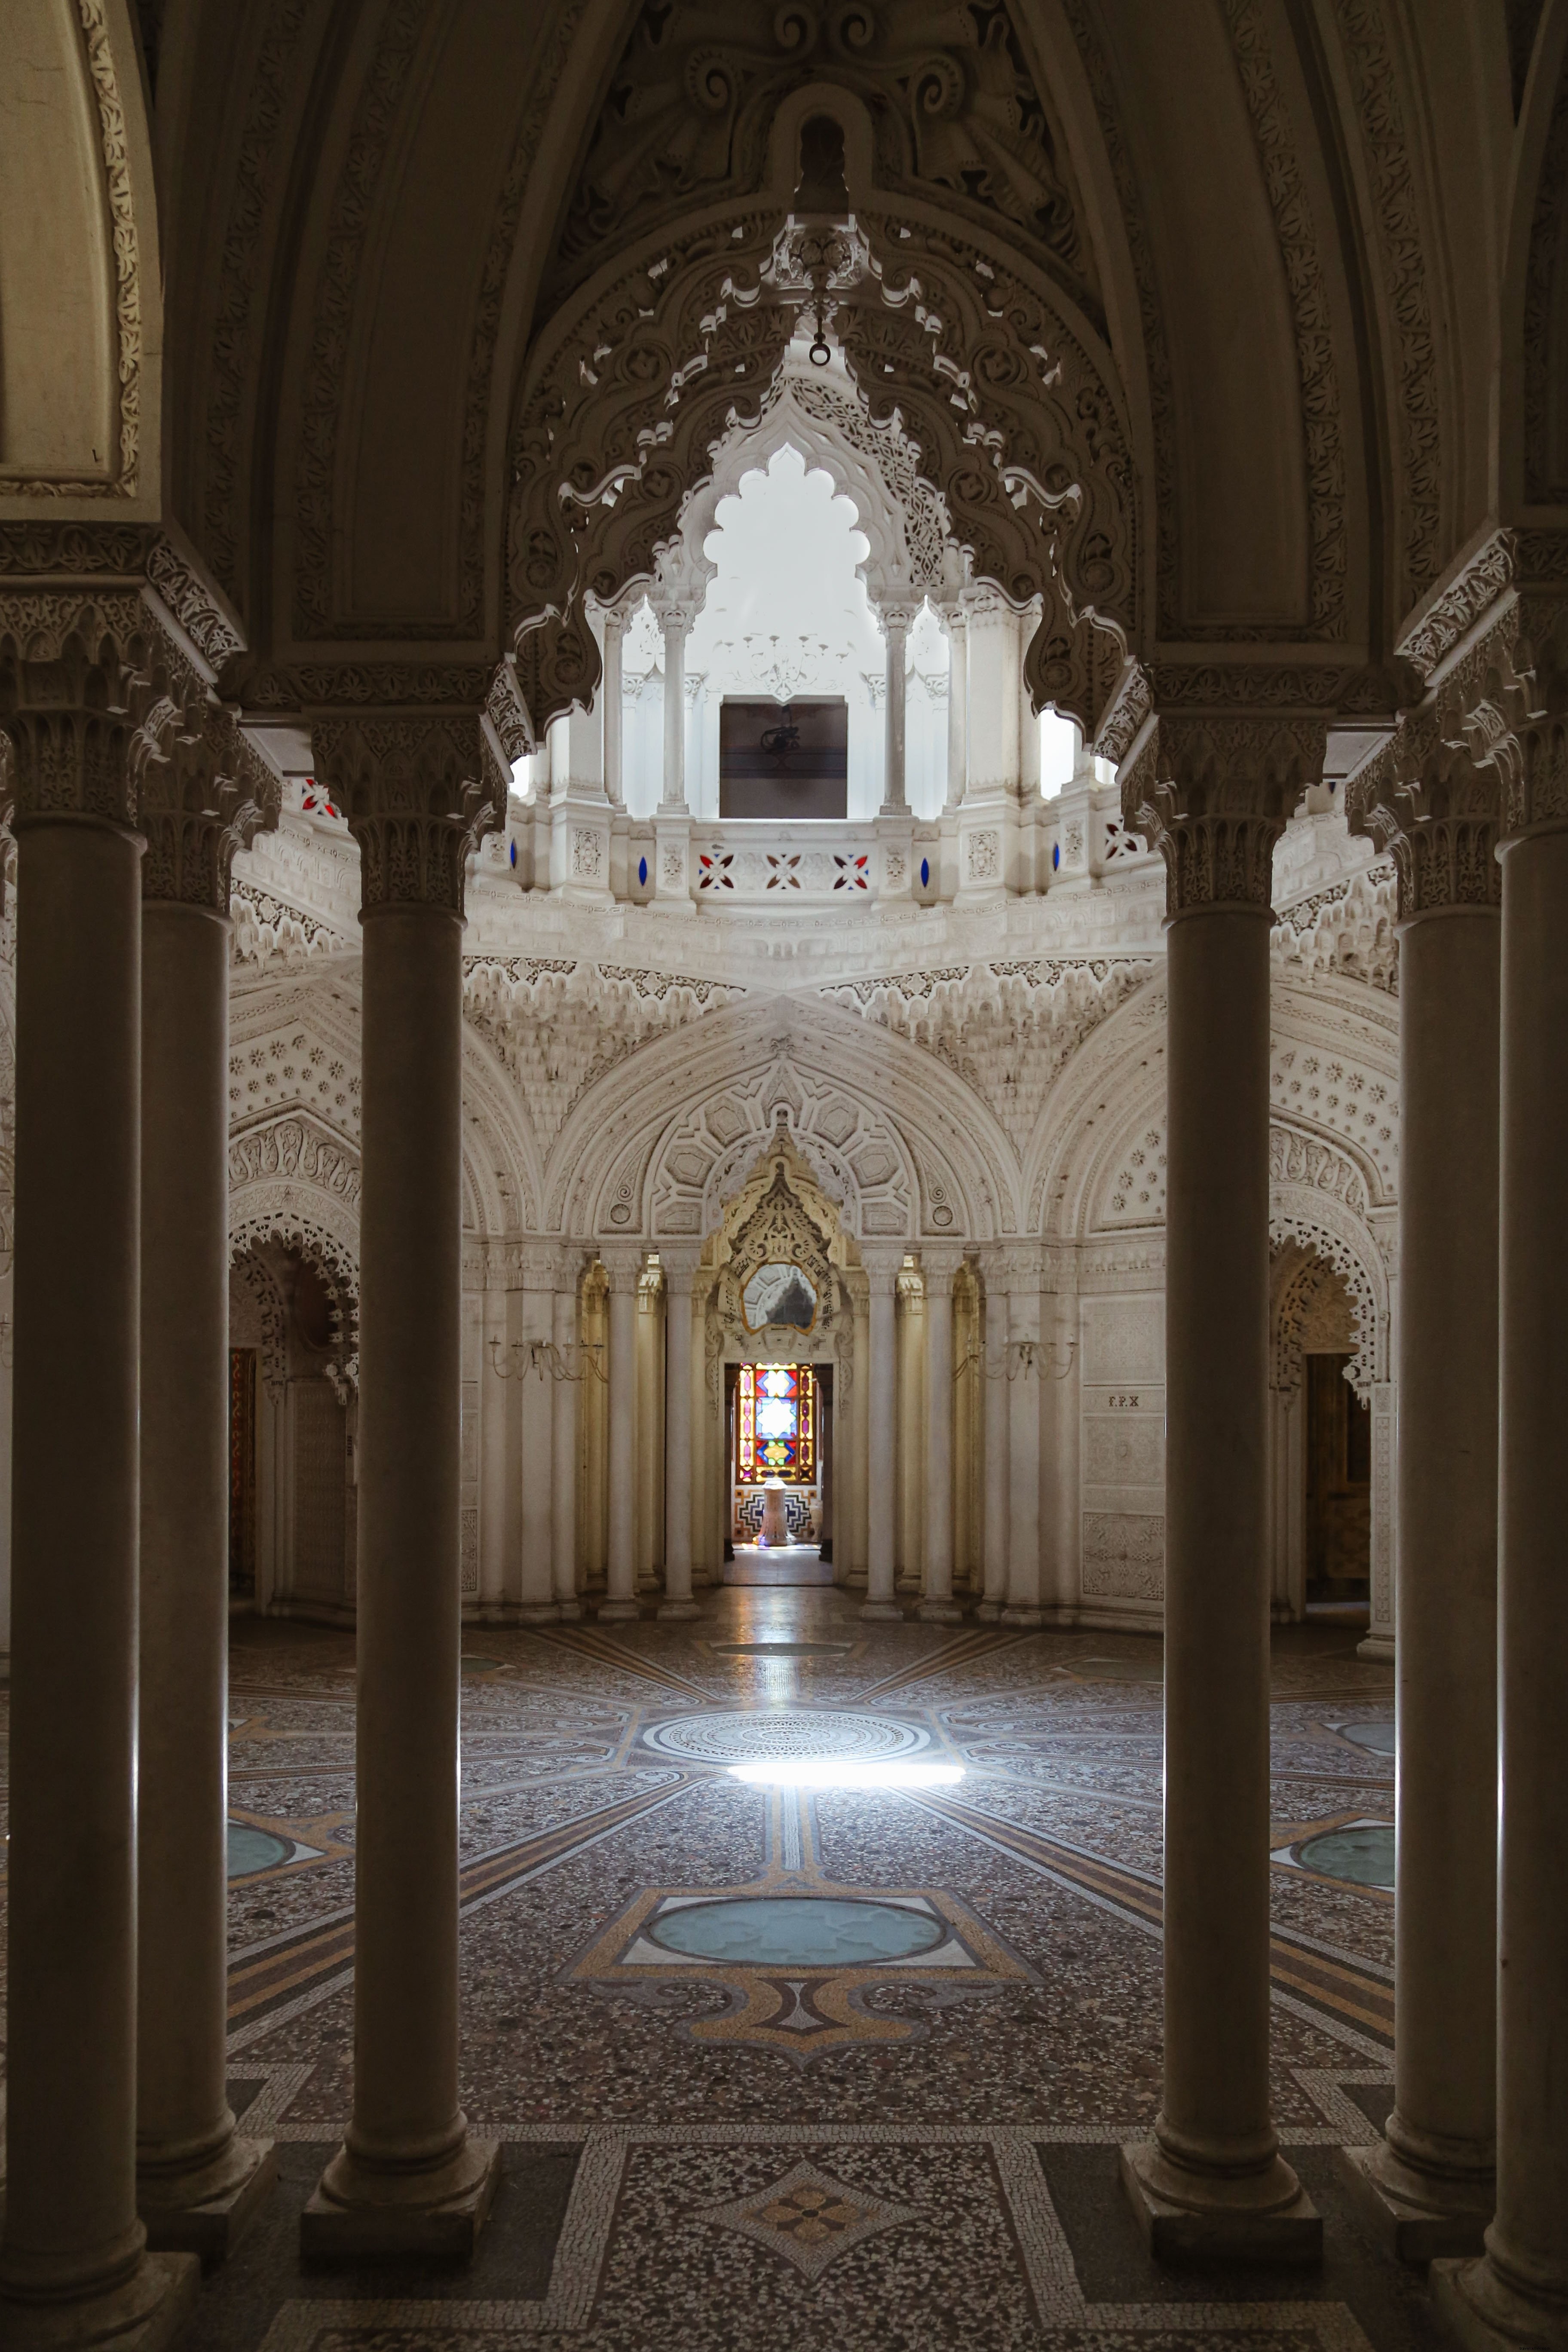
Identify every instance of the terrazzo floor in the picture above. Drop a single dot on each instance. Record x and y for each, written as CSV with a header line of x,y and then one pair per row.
x,y
889,2127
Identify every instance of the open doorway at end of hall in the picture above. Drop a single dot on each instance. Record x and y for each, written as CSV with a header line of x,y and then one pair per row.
x,y
1339,1488
779,1422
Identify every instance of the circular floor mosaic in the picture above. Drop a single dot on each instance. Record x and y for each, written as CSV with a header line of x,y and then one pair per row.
x,y
796,1931
769,1735
251,1850
1363,1854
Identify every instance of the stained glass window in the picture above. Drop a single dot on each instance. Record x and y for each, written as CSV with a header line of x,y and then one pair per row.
x,y
776,1424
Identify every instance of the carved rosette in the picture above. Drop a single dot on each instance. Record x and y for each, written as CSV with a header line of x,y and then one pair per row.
x,y
419,794
79,672
1213,794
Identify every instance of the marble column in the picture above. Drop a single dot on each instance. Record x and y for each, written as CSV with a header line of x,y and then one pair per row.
x,y
408,2178
937,1605
1517,2294
563,1443
1212,2184
680,1267
197,2184
624,1270
73,2264
672,797
897,622
615,717
957,703
1429,2185
993,1364
1026,1368
539,1393
882,1274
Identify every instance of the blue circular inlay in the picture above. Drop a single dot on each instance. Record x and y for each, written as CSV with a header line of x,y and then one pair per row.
x,y
1377,1737
1364,1856
1056,854
796,1931
251,1850
642,871
925,873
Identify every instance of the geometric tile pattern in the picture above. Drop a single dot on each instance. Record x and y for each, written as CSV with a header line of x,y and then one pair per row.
x,y
808,2218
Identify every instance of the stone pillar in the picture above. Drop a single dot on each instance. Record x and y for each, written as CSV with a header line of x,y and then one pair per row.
x,y
672,797
1212,2184
1517,2294
614,718
939,1266
897,622
198,2185
408,2178
498,1405
1026,1368
564,1440
957,703
882,1274
1431,2181
538,1403
994,1365
624,1270
73,2266
680,1266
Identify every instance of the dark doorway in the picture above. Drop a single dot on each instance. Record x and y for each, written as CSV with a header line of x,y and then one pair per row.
x,y
1339,1485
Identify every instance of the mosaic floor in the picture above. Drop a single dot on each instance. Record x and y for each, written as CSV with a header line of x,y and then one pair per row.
x,y
812,1976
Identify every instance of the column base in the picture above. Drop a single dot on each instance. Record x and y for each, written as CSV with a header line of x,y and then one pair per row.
x,y
989,1612
144,2315
1265,2219
1480,2312
679,1609
536,1613
1031,1619
1378,1648
940,1613
1407,2212
882,1612
616,1613
364,2216
569,1611
179,2219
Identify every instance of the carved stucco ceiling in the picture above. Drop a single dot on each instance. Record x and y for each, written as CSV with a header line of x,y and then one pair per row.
x,y
952,103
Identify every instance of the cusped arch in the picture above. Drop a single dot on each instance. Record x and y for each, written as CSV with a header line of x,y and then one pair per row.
x,y
951,337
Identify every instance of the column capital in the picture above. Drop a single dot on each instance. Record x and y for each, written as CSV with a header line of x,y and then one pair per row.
x,y
420,790
623,1265
940,1261
883,1263
898,614
80,669
1212,792
1425,798
679,1263
206,790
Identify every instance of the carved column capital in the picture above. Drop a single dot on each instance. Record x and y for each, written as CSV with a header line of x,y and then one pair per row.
x,y
206,792
1424,799
679,1265
1212,794
882,1264
80,669
623,1267
419,791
